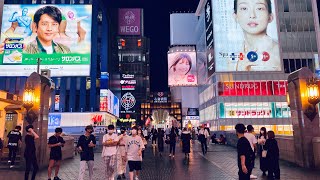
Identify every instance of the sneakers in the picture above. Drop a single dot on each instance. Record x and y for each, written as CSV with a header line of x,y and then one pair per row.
x,y
56,178
253,176
11,166
9,162
173,156
137,178
169,155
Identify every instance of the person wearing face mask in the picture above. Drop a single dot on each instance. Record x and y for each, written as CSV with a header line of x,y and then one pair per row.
x,y
134,148
85,145
143,139
261,141
109,152
122,158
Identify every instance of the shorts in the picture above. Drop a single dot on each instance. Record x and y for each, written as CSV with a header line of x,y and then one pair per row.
x,y
134,165
55,156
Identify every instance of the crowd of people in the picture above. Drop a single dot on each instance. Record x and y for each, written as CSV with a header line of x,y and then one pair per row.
x,y
127,149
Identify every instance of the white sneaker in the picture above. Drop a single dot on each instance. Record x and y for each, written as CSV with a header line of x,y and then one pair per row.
x,y
169,155
11,166
137,178
173,156
253,176
9,161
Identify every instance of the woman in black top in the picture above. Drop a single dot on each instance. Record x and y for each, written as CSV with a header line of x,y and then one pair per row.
x,y
30,153
173,140
186,137
161,141
272,156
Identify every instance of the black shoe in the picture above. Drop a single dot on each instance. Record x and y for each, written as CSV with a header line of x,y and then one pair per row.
x,y
119,177
56,178
264,174
123,176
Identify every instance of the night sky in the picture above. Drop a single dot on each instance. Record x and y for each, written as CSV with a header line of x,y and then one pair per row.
x,y
157,28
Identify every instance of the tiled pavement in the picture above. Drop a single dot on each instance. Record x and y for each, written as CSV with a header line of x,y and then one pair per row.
x,y
220,163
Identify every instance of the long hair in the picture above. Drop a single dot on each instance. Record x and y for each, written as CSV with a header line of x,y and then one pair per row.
x,y
180,57
264,132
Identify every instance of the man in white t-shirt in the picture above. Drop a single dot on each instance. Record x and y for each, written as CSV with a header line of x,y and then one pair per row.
x,y
109,152
122,157
134,148
253,143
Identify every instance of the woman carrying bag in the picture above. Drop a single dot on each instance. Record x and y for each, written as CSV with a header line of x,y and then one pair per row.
x,y
261,141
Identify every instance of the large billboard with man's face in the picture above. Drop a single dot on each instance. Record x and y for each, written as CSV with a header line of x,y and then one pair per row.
x,y
60,35
182,70
246,36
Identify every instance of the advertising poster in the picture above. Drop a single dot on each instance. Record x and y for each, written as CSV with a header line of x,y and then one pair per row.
x,y
182,70
104,100
209,39
116,106
128,102
129,22
246,36
54,121
60,35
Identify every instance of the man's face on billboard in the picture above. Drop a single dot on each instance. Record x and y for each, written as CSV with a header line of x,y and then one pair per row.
x,y
47,28
253,16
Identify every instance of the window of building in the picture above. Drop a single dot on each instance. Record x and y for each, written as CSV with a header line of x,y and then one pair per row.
x,y
291,65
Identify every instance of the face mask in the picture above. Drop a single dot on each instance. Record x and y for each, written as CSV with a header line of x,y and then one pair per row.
x,y
134,131
110,131
90,131
122,132
261,132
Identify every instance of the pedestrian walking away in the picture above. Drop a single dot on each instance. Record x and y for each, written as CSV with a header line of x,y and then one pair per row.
x,y
186,138
30,153
173,140
154,133
122,160
13,144
85,145
145,142
134,148
161,141
202,137
261,141
109,152
55,143
253,143
245,154
272,156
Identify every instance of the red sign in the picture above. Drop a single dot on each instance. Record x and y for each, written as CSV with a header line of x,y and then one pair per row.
x,y
280,88
245,88
96,118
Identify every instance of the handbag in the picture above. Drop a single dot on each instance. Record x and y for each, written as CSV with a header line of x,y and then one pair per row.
x,y
264,153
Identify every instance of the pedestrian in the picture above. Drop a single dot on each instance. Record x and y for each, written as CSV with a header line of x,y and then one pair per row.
x,y
30,153
85,145
244,154
122,158
167,131
272,156
143,139
55,143
185,138
13,144
253,143
173,140
134,148
261,141
193,134
202,137
109,152
154,133
208,129
161,141
145,133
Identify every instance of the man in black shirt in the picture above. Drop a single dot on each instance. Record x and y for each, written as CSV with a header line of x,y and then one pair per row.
x,y
85,145
245,154
30,153
55,143
14,138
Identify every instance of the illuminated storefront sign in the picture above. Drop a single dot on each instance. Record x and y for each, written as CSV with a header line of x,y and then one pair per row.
x,y
127,76
56,102
160,97
128,82
128,101
244,88
128,87
254,110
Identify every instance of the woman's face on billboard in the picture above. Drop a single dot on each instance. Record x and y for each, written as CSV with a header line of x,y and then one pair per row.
x,y
253,16
182,67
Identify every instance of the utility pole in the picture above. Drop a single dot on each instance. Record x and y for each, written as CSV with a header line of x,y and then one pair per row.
x,y
38,65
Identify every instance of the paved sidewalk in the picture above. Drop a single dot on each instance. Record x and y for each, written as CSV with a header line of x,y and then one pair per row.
x,y
220,163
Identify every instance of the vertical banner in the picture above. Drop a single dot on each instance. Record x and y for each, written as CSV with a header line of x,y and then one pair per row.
x,y
104,95
209,39
129,22
246,36
56,102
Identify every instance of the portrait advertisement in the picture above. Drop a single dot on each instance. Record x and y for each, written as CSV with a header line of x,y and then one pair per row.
x,y
60,35
246,36
182,70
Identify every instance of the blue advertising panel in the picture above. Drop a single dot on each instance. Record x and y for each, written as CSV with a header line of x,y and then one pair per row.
x,y
54,121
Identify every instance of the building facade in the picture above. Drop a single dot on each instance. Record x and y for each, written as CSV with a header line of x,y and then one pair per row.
x,y
258,98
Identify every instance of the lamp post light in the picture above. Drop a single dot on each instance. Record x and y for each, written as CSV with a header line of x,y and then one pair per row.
x,y
28,102
313,98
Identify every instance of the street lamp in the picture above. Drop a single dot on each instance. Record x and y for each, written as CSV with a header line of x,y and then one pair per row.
x,y
28,102
313,98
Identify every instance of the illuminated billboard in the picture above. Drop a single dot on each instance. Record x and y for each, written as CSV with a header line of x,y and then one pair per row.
x,y
129,22
182,70
246,36
60,35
